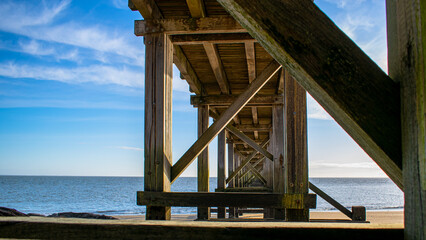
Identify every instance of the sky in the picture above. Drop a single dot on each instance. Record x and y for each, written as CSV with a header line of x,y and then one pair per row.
x,y
72,91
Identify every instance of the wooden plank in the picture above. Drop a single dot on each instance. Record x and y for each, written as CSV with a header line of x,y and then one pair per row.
x,y
224,199
147,8
234,173
280,85
330,200
409,70
231,184
54,228
250,127
330,67
245,189
196,8
251,60
279,151
218,38
249,168
186,70
296,145
158,119
203,161
245,138
188,26
221,158
226,100
223,120
217,67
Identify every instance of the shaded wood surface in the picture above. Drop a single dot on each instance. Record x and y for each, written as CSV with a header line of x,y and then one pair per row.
x,y
41,228
224,199
333,69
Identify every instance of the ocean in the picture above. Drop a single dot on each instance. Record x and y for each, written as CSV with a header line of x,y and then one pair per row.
x,y
117,195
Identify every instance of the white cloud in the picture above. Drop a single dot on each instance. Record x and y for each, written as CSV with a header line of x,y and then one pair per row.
x,y
315,111
38,23
366,165
121,4
130,148
99,74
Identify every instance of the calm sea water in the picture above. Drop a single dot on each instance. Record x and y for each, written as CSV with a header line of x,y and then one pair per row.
x,y
117,195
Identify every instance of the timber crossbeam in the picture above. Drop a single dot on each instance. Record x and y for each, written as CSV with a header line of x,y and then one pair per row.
x,y
226,100
188,26
222,199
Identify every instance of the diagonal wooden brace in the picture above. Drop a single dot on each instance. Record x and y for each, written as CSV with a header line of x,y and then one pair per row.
x,y
224,119
246,161
245,138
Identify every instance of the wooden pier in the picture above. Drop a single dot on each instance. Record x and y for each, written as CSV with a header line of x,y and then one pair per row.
x,y
249,65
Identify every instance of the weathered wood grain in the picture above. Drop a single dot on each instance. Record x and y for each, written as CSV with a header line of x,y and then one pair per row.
x,y
221,167
147,8
333,69
279,151
203,169
158,119
218,38
196,8
409,19
226,100
223,120
186,70
188,26
296,145
223,199
217,67
47,228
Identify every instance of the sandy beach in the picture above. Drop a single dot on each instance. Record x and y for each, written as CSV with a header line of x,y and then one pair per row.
x,y
373,217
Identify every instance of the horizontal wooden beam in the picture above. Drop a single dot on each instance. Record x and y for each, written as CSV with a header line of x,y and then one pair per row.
x,y
245,189
187,71
224,119
218,38
188,26
222,199
226,100
147,8
333,69
73,228
254,127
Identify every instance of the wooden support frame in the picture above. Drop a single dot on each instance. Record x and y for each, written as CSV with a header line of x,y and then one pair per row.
x,y
217,38
223,120
323,61
217,67
188,26
221,176
407,65
196,8
187,71
223,199
245,138
246,161
249,168
226,100
203,168
279,147
147,8
158,120
296,144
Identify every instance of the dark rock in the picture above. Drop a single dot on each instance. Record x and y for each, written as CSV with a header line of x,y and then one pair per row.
x,y
10,212
81,215
35,215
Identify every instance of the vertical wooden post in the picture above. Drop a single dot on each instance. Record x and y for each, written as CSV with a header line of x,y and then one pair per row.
x,y
296,145
203,160
278,149
237,178
221,179
269,176
408,19
158,119
231,183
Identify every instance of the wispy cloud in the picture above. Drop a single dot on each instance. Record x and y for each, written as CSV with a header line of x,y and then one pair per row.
x,y
315,111
38,23
364,165
121,4
99,74
130,148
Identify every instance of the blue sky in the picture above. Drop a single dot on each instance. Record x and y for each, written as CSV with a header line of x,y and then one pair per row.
x,y
72,91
